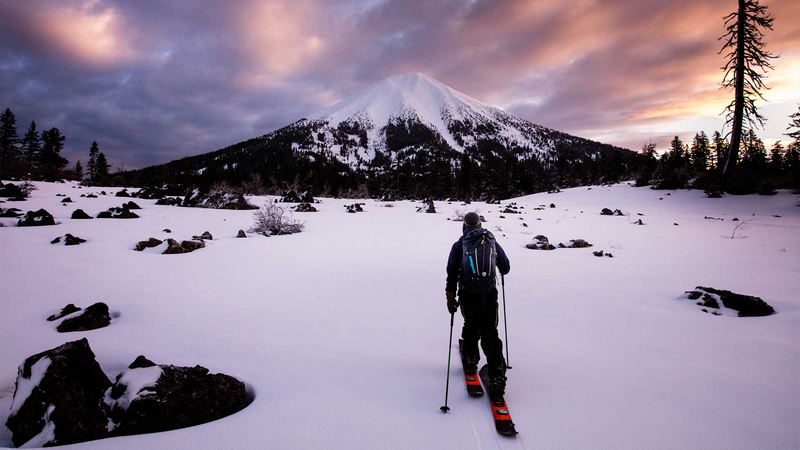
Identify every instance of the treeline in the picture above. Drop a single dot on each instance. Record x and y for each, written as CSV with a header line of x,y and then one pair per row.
x,y
700,165
414,165
36,155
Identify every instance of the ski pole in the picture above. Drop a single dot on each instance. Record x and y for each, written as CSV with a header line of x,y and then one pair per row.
x,y
505,318
445,408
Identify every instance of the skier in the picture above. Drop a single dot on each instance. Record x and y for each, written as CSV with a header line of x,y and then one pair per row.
x,y
471,266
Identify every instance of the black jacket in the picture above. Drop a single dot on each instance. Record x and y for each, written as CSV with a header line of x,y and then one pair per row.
x,y
454,263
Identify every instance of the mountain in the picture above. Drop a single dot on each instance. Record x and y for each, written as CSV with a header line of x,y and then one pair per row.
x,y
406,136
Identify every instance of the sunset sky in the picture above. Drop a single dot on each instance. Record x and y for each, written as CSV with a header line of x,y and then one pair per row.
x,y
153,81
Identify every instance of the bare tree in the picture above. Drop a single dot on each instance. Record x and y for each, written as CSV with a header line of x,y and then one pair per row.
x,y
745,70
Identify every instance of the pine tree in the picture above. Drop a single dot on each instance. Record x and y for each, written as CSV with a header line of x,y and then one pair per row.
x,y
747,65
91,166
9,141
51,162
755,154
676,155
78,171
102,167
31,146
701,153
796,125
776,160
720,150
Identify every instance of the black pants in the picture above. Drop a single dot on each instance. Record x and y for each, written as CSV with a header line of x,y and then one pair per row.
x,y
480,323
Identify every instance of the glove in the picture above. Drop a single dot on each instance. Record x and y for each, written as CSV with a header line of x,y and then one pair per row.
x,y
452,304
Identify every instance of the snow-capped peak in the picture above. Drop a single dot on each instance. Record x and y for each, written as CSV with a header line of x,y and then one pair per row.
x,y
409,96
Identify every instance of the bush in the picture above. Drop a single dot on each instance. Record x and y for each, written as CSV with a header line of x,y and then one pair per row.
x,y
272,219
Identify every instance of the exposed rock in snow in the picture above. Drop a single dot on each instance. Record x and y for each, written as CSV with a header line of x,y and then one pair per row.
x,y
91,318
241,234
575,243
68,239
540,242
80,214
64,388
152,242
65,311
35,219
746,305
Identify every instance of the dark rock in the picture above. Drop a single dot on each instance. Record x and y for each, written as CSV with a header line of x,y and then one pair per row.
x,y
305,207
66,200
167,230
122,193
540,242
169,201
609,255
191,246
694,295
181,397
618,213
427,207
223,200
149,193
676,224
205,236
606,212
11,190
290,197
748,306
80,214
710,302
35,219
103,193
68,240
92,318
524,224
118,213
241,234
575,243
65,311
152,242
140,362
598,253
91,196
104,215
735,219
638,222
68,397
174,248
354,208
11,212
552,205
131,205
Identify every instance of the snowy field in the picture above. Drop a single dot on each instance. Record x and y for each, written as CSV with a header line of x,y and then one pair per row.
x,y
341,330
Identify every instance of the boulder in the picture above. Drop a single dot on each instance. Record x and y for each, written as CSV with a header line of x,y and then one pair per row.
x,y
305,207
91,196
552,205
148,398
68,240
241,234
291,196
92,318
149,193
80,214
131,205
193,245
118,213
606,212
575,243
10,212
65,311
747,305
224,200
540,242
599,253
354,208
122,193
205,236
152,242
173,248
427,207
35,219
11,190
66,200
59,398
167,230
169,201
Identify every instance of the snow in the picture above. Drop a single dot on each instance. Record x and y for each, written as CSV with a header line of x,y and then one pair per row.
x,y
136,382
340,331
416,95
25,385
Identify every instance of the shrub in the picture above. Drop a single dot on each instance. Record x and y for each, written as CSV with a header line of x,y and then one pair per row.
x,y
272,219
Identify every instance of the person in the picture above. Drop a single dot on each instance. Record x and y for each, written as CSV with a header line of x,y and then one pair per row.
x,y
478,305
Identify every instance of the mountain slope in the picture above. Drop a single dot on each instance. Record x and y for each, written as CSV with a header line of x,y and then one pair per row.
x,y
409,136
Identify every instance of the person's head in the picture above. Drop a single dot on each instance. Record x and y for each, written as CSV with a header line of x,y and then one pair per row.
x,y
471,220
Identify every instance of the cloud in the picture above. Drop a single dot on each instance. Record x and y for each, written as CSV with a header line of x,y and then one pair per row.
x,y
155,81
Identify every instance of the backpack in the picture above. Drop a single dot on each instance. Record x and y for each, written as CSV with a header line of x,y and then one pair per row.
x,y
478,262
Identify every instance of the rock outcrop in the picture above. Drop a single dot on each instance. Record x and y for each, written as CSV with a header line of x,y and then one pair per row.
x,y
92,318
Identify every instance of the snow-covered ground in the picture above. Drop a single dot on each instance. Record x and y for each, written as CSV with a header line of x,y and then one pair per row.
x,y
341,330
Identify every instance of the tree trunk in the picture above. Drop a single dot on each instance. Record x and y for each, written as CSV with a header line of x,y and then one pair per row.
x,y
738,110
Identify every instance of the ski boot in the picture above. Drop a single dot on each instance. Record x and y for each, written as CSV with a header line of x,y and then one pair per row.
x,y
470,364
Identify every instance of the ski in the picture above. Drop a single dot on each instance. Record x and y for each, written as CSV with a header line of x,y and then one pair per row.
x,y
502,419
474,387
